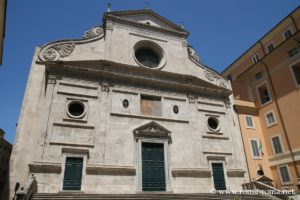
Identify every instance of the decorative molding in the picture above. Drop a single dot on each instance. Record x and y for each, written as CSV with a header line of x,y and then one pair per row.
x,y
192,98
240,109
211,111
76,151
54,52
70,144
74,125
149,117
197,173
78,95
235,173
152,130
54,168
93,32
52,79
193,54
110,170
215,137
214,77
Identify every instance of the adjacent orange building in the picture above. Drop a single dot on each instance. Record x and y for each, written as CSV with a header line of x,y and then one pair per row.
x,y
266,86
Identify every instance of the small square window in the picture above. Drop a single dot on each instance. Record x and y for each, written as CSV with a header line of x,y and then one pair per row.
x,y
296,73
270,118
255,58
249,121
258,76
270,47
284,174
277,148
287,34
263,93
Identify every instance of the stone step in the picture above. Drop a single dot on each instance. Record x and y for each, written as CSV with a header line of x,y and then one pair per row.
x,y
162,196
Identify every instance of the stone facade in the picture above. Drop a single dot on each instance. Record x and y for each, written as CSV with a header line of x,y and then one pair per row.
x,y
123,102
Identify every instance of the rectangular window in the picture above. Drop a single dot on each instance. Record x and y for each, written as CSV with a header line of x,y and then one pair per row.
x,y
270,47
249,121
73,173
255,149
296,73
276,145
284,174
255,58
270,118
293,52
287,34
151,105
258,76
264,94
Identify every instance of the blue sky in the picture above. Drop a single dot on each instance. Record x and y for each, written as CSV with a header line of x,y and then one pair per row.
x,y
221,30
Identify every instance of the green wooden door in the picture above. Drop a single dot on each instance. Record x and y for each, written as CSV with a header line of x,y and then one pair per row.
x,y
218,175
73,174
153,167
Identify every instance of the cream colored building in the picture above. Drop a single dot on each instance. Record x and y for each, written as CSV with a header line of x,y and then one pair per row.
x,y
267,77
130,93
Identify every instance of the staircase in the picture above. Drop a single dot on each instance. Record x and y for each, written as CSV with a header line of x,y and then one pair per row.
x,y
144,196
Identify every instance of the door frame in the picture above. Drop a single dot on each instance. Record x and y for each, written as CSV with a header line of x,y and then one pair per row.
x,y
64,159
224,170
139,161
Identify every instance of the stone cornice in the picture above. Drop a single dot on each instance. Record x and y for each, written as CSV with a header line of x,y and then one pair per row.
x,y
246,110
191,172
145,26
113,170
127,74
119,15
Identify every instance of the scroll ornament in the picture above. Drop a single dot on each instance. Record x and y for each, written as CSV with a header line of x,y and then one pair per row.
x,y
212,77
193,54
94,32
59,50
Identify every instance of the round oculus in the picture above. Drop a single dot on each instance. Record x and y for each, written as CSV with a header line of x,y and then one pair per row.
x,y
125,103
213,123
76,109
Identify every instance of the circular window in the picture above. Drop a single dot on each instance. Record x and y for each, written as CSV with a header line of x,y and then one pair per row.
x,y
175,109
213,124
148,54
125,103
76,109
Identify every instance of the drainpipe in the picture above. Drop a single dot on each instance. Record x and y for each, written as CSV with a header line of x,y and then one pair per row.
x,y
281,120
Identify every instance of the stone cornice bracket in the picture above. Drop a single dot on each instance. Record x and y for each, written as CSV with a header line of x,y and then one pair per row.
x,y
152,130
193,54
61,49
104,86
192,98
52,79
215,78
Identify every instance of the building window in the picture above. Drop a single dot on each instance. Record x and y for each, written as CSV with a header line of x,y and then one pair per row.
x,y
151,105
263,93
270,47
229,77
276,143
287,34
270,118
255,58
125,103
249,121
296,73
73,173
76,109
255,148
213,124
293,52
284,174
258,76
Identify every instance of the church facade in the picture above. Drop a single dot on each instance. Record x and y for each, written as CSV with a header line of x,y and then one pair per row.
x,y
128,108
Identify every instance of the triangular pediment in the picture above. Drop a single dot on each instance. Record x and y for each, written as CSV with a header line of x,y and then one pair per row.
x,y
146,17
152,130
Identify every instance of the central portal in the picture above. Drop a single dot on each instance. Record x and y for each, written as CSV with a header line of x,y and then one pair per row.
x,y
153,167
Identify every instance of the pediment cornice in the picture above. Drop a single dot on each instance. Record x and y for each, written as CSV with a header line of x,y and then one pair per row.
x,y
152,130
